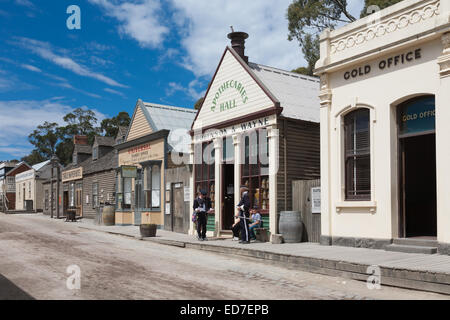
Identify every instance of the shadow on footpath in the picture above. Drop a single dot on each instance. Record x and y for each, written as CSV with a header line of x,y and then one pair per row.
x,y
9,291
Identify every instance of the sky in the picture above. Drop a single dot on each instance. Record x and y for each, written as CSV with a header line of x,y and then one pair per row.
x,y
159,51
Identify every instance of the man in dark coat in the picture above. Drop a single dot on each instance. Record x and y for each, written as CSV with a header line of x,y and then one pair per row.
x,y
243,207
202,205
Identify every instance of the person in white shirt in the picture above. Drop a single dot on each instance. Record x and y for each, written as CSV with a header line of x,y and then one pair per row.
x,y
256,222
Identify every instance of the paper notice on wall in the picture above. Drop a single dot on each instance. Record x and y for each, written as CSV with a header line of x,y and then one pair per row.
x,y
315,200
167,208
187,194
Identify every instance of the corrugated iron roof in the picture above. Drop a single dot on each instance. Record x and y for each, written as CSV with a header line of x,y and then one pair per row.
x,y
298,94
175,119
39,166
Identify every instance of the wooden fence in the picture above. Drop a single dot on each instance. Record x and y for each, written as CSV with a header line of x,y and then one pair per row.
x,y
301,201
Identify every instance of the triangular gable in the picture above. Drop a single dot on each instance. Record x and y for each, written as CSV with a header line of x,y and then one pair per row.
x,y
140,124
234,92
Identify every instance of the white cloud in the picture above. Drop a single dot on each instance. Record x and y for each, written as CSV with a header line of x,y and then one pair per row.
x,y
193,90
114,92
139,20
24,3
45,51
204,26
31,68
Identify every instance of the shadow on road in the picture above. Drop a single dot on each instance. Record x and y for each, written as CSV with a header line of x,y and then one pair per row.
x,y
9,291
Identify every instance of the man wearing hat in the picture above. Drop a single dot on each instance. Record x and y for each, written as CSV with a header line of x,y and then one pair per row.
x,y
243,208
202,205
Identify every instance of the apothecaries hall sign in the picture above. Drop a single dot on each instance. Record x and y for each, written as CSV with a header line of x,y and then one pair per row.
x,y
385,64
219,105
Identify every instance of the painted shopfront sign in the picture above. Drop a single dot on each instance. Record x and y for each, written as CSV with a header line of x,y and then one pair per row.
x,y
220,106
418,116
74,174
141,153
236,129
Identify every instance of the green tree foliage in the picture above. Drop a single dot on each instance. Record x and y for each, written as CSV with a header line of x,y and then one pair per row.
x,y
44,139
111,126
198,104
50,139
33,158
301,70
308,18
380,3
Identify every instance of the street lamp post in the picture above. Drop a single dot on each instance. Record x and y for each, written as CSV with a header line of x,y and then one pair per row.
x,y
54,162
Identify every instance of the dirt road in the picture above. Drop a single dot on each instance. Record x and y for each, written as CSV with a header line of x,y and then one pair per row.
x,y
36,251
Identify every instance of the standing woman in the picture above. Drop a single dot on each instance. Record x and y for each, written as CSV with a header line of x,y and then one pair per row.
x,y
202,205
244,215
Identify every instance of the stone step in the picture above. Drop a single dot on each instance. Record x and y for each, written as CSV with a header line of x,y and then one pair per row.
x,y
411,249
416,242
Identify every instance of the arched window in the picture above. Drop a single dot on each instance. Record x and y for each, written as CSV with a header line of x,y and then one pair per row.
x,y
357,155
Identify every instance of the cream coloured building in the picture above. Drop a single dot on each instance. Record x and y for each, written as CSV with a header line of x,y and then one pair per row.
x,y
385,95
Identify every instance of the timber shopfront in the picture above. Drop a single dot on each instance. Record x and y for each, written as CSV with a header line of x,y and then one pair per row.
x,y
258,126
141,187
385,94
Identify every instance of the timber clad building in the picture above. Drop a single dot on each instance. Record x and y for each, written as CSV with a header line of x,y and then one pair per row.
x,y
258,126
144,187
385,93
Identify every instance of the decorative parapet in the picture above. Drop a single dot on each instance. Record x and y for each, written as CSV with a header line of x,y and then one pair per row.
x,y
386,25
406,21
444,59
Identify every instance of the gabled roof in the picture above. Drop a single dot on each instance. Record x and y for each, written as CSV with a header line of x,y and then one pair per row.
x,y
298,94
17,167
39,166
168,117
104,141
295,95
162,117
81,148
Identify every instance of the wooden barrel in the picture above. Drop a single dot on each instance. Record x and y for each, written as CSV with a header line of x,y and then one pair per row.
x,y
148,230
109,215
291,226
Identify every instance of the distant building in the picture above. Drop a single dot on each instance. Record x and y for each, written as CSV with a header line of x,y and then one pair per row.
x,y
5,167
29,187
9,185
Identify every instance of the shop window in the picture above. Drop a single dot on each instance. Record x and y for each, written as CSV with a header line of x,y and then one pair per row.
x,y
255,168
152,187
205,172
123,192
127,190
95,203
357,155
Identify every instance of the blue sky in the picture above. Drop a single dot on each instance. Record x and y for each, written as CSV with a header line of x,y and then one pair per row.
x,y
159,51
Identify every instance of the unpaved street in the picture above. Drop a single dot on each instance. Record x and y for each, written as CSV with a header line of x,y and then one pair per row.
x,y
35,252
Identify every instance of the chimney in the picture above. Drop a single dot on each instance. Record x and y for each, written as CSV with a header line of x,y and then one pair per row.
x,y
80,140
238,43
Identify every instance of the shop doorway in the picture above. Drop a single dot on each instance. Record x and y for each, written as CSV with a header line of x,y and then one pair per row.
x,y
417,141
139,198
228,202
